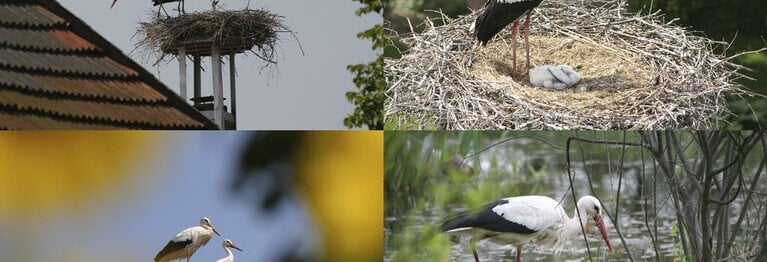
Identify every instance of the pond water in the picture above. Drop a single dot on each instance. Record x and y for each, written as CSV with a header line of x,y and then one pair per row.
x,y
535,168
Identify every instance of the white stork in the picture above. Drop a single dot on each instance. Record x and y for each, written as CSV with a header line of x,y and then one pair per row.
x,y
500,13
229,256
185,243
521,220
160,3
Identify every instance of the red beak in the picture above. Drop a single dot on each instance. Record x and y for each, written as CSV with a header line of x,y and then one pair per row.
x,y
601,224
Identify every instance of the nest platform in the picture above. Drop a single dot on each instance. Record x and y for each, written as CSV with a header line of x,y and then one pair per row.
x,y
236,31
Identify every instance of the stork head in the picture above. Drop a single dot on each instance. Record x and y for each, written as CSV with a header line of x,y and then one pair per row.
x,y
205,222
590,207
228,243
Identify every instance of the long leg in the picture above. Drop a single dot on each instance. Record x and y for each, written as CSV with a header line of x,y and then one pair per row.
x,y
514,46
527,44
518,254
163,9
473,244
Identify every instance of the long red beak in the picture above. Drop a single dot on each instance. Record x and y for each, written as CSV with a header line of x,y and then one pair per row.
x,y
603,230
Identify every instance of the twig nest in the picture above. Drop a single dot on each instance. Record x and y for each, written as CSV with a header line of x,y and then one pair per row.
x,y
234,31
636,72
557,77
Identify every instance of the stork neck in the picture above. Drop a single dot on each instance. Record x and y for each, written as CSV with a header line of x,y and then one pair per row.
x,y
573,227
228,252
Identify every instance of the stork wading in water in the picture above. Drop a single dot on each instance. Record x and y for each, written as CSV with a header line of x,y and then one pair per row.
x,y
229,256
500,13
185,243
521,220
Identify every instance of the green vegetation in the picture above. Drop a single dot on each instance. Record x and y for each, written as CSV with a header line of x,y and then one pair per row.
x,y
369,78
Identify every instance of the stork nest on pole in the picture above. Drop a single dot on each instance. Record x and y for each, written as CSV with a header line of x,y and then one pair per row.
x,y
638,73
234,31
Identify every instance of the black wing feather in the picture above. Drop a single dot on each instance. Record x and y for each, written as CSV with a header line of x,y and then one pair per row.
x,y
159,2
486,219
497,16
172,246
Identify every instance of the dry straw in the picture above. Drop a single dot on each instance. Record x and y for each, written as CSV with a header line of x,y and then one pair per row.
x,y
638,73
235,31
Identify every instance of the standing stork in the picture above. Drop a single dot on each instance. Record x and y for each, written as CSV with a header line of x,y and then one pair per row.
x,y
500,13
229,256
160,3
185,243
527,219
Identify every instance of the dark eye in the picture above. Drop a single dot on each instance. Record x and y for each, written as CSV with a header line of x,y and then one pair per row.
x,y
596,208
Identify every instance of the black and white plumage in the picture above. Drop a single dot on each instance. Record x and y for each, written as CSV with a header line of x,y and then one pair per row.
x,y
186,242
160,3
498,14
522,220
229,256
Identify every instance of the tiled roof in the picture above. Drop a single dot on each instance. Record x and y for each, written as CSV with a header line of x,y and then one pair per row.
x,y
57,73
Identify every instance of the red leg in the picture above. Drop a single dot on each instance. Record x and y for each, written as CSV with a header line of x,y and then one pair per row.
x,y
518,254
476,256
514,46
527,44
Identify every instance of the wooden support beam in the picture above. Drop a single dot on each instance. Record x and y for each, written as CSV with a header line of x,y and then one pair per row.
x,y
232,92
182,72
218,87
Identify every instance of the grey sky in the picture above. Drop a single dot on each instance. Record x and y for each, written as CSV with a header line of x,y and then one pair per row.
x,y
304,92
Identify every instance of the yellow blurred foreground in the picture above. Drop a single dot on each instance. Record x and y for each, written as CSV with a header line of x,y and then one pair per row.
x,y
340,174
44,170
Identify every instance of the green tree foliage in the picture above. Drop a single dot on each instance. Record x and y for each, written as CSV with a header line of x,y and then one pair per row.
x,y
369,79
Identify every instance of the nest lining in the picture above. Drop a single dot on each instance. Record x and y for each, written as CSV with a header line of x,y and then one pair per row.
x,y
234,31
638,73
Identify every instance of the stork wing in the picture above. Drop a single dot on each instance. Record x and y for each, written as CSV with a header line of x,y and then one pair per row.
x,y
487,219
534,212
522,215
171,247
178,242
159,2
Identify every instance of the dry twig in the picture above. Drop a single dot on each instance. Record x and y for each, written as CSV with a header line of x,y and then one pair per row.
x,y
638,73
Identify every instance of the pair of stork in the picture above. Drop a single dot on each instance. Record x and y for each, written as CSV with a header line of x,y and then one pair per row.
x,y
161,2
186,242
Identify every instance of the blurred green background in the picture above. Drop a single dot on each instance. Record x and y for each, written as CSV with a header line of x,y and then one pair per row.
x,y
741,22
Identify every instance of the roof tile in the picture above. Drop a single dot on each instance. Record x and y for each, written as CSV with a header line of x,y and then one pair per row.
x,y
56,73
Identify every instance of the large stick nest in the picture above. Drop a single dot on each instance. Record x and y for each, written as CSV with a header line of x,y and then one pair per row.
x,y
638,73
234,31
